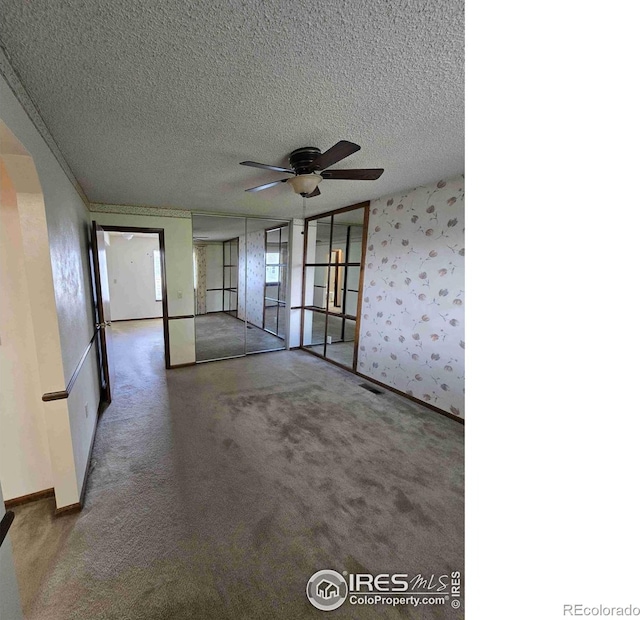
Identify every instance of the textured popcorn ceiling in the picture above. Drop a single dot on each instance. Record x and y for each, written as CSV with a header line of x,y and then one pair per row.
x,y
155,103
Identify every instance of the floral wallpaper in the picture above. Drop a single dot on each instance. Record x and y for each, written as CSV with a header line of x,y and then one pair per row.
x,y
255,277
201,278
241,270
255,266
412,324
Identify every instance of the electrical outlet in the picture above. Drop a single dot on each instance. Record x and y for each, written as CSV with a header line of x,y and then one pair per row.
x,y
329,339
86,410
179,294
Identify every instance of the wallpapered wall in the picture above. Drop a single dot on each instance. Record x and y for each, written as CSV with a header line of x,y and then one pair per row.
x,y
255,264
242,265
412,325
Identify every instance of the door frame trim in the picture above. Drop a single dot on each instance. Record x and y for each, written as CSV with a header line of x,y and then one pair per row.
x,y
163,269
303,308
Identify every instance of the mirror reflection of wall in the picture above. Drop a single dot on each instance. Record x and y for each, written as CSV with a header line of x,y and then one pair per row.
x,y
219,334
240,285
332,284
230,277
266,259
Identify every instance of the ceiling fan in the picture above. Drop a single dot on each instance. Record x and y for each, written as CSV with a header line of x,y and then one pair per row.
x,y
308,167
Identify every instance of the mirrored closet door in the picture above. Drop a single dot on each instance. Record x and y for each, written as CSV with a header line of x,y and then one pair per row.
x,y
265,285
334,245
240,285
275,281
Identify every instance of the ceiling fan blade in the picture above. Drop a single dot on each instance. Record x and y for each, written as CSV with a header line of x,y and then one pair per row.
x,y
265,186
336,153
254,164
315,192
362,174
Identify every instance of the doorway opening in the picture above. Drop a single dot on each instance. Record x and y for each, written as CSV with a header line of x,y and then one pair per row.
x,y
130,286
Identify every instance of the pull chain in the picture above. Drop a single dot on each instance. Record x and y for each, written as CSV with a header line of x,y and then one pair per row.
x,y
304,212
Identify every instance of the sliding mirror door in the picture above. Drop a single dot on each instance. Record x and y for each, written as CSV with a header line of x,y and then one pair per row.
x,y
333,255
219,332
344,285
266,284
240,285
316,283
230,249
275,288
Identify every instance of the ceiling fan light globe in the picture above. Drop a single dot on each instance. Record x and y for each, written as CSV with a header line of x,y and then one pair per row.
x,y
305,183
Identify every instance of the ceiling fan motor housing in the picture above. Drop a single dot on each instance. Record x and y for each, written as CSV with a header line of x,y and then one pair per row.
x,y
302,160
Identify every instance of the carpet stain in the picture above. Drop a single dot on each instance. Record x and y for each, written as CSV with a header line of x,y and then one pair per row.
x,y
229,443
351,565
217,490
402,502
371,483
262,531
357,502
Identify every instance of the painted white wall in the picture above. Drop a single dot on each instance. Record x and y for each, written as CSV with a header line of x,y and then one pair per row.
x,y
182,337
25,465
54,223
132,288
179,263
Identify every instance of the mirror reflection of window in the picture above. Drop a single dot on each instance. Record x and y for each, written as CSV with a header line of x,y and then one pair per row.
x,y
273,268
276,240
157,272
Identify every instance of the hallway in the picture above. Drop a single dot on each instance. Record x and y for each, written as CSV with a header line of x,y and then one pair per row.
x,y
216,491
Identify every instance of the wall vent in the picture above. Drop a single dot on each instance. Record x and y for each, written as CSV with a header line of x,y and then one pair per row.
x,y
371,389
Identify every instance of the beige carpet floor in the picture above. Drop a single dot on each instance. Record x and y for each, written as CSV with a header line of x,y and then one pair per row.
x,y
216,491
